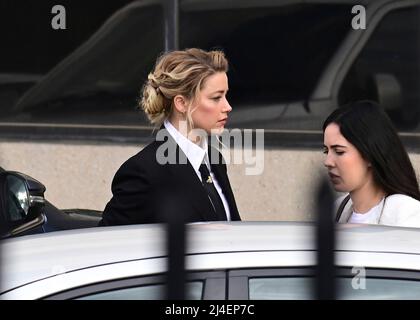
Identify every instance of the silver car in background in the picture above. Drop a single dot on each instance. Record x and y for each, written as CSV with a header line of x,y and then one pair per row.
x,y
224,261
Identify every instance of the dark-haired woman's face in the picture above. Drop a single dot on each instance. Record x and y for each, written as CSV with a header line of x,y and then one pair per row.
x,y
347,169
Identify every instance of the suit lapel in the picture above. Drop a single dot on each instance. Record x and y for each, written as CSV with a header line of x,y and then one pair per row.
x,y
184,175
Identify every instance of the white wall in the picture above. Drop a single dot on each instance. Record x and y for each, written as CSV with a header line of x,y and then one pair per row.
x,y
80,175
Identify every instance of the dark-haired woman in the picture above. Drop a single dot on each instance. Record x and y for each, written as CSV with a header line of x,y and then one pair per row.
x,y
366,159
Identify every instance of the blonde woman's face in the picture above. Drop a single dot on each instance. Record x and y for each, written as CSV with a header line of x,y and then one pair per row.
x,y
211,107
347,169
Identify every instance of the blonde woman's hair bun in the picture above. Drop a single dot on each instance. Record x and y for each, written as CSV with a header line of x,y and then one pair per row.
x,y
153,102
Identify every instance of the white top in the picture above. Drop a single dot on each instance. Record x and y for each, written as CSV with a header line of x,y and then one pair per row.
x,y
196,154
372,216
398,210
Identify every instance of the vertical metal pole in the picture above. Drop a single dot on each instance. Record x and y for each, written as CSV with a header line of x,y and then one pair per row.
x,y
176,258
171,16
325,282
173,209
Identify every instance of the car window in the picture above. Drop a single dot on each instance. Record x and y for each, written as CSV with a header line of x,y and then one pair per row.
x,y
32,46
380,289
97,75
276,57
277,54
193,291
388,69
302,288
293,288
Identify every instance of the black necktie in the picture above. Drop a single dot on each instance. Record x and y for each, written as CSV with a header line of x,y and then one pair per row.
x,y
212,192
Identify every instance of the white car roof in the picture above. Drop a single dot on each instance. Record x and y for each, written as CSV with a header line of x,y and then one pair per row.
x,y
30,258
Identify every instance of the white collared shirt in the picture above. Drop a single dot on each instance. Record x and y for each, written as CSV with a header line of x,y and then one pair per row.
x,y
195,155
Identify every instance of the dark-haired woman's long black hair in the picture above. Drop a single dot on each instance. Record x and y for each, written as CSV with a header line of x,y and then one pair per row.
x,y
365,125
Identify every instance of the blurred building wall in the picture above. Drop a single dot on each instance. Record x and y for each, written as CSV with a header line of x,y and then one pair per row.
x,y
80,175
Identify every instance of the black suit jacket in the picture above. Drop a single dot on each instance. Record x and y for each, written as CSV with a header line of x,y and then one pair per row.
x,y
145,191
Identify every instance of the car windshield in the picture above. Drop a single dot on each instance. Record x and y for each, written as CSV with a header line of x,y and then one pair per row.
x,y
92,72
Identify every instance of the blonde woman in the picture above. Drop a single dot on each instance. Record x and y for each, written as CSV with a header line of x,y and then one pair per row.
x,y
178,173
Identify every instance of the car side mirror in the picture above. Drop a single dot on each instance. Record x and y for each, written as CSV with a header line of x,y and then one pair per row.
x,y
22,204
